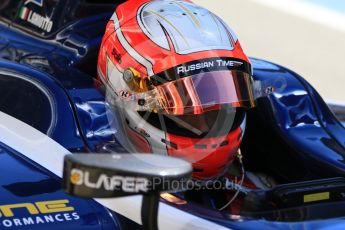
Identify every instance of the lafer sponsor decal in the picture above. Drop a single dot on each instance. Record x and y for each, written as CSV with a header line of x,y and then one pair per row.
x,y
41,212
113,183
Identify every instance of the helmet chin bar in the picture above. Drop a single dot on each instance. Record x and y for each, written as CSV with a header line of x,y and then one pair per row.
x,y
117,175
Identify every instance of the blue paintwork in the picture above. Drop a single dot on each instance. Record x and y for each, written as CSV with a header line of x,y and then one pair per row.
x,y
302,119
298,138
65,82
70,137
50,64
306,129
29,183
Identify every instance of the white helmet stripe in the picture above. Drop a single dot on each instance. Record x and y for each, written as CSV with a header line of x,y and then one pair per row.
x,y
189,27
129,48
155,135
243,125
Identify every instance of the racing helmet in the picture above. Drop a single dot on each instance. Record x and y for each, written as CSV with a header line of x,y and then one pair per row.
x,y
177,83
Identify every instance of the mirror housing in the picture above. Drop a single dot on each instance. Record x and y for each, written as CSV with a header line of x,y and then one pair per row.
x,y
117,175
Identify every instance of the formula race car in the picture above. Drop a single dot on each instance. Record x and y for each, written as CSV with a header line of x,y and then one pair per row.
x,y
291,167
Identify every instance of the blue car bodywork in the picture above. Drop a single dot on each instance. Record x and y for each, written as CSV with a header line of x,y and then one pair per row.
x,y
46,81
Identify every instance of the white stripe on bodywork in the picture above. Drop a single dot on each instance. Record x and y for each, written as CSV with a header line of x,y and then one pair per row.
x,y
139,58
33,144
46,152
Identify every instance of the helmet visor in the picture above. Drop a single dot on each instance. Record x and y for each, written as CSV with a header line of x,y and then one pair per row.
x,y
194,94
206,91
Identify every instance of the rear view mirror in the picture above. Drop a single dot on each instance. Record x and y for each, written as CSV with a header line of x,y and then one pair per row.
x,y
116,175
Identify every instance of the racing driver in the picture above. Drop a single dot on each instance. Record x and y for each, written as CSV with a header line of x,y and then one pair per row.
x,y
177,82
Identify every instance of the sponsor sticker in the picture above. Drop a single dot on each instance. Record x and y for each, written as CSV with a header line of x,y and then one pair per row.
x,y
41,212
201,66
34,18
208,64
316,197
24,13
109,183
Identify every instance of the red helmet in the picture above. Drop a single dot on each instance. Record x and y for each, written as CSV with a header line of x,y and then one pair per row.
x,y
178,83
